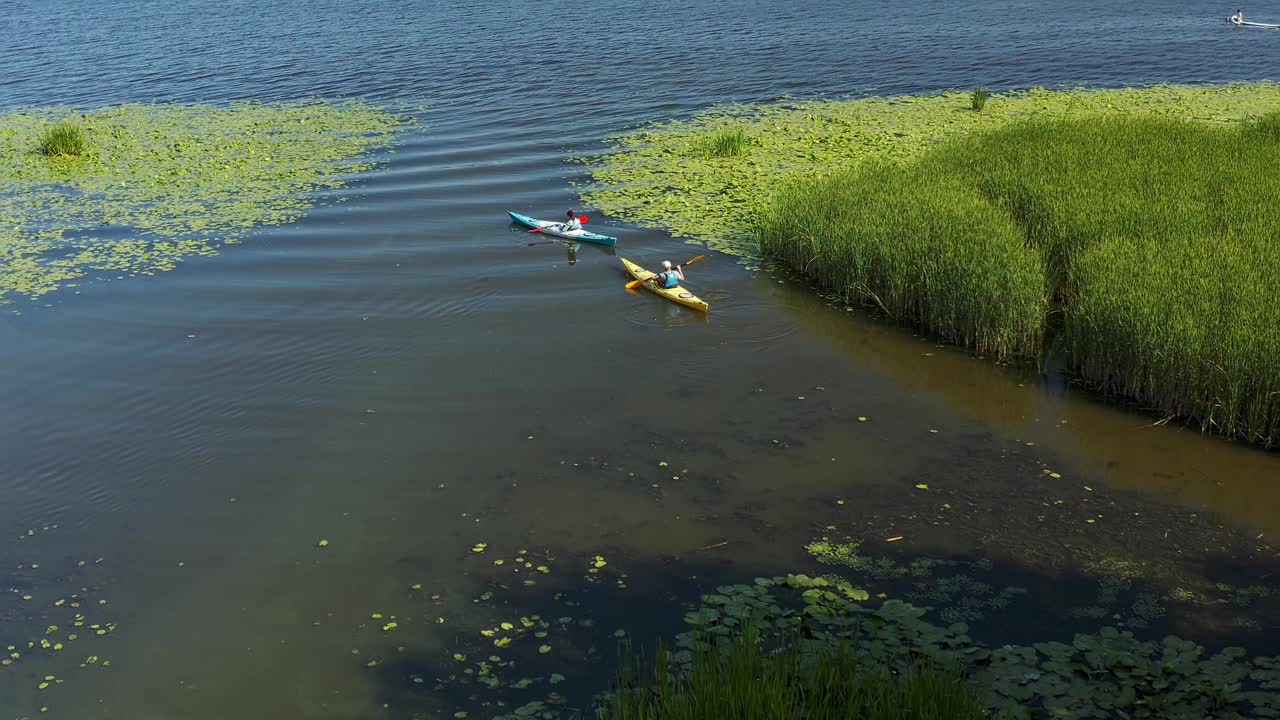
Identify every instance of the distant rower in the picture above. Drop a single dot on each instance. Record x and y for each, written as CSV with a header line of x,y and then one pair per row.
x,y
1238,18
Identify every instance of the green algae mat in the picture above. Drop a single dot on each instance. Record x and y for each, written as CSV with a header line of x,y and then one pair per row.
x,y
668,174
159,183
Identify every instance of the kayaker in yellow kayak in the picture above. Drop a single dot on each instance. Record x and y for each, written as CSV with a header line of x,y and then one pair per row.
x,y
669,278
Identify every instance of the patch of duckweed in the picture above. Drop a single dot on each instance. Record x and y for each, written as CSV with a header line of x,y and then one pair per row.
x,y
52,626
1127,596
1114,567
961,597
158,183
508,663
662,176
1132,594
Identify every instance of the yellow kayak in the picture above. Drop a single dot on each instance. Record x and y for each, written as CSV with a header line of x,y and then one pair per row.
x,y
675,294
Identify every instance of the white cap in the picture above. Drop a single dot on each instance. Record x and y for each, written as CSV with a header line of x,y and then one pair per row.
x,y
666,264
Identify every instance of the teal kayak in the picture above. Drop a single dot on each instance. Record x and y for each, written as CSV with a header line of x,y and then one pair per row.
x,y
553,228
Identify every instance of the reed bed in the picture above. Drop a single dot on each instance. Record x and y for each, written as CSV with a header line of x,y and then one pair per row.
x,y
754,680
923,246
1155,238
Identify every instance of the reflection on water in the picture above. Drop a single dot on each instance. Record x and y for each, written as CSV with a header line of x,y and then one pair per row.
x,y
1105,443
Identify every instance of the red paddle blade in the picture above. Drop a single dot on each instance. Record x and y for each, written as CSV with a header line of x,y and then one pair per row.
x,y
583,219
536,230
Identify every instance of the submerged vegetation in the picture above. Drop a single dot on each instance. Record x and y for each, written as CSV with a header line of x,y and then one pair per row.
x,y
63,138
749,676
1130,225
1151,236
164,182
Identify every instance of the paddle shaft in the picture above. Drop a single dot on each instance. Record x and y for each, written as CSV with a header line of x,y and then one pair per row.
x,y
637,283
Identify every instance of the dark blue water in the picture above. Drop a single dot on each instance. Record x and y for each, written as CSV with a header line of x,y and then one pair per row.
x,y
621,61
202,430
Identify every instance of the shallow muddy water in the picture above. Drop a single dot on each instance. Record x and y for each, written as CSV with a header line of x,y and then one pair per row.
x,y
401,376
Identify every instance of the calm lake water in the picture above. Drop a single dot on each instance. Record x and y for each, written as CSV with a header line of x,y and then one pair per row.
x,y
401,375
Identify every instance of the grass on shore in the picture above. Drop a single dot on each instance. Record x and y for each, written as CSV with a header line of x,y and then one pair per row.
x,y
754,680
1154,236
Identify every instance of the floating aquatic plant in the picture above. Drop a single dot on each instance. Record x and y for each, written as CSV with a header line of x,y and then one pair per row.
x,y
165,182
52,629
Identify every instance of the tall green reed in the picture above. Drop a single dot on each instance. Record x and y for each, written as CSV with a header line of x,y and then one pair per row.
x,y
1155,238
750,677
978,98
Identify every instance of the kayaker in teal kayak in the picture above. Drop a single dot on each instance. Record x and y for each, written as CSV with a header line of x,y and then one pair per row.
x,y
572,223
669,278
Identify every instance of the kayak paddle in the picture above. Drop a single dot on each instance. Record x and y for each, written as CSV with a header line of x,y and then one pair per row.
x,y
637,283
581,218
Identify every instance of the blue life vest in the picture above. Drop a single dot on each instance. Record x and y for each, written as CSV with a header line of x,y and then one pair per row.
x,y
669,279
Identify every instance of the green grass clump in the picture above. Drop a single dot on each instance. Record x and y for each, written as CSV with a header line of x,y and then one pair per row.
x,y
1153,237
63,139
978,99
755,680
726,142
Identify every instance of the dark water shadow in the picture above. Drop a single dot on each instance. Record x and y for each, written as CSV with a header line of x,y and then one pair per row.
x,y
660,591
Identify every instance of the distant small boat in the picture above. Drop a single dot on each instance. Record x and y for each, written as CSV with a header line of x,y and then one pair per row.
x,y
1252,24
